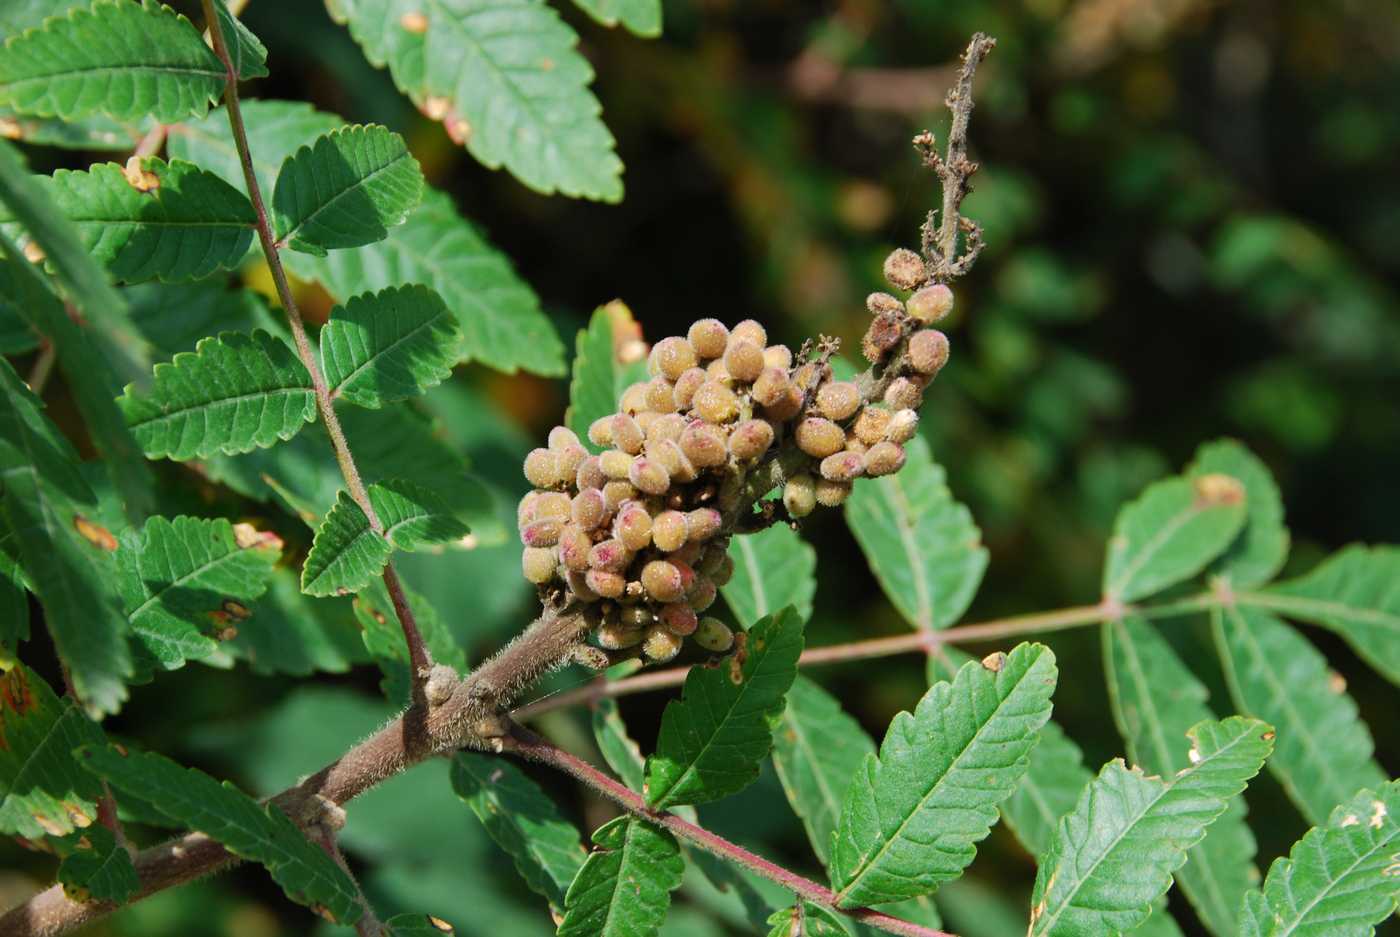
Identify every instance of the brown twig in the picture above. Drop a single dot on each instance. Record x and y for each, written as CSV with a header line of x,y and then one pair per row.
x,y
420,660
530,746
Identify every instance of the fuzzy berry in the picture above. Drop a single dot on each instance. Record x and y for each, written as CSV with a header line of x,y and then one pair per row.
x,y
708,338
928,351
931,303
670,357
799,495
905,269
714,635
750,439
542,468
819,437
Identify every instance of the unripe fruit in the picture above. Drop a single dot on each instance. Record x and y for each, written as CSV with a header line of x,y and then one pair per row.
x,y
686,385
633,526
671,356
615,464
843,466
702,594
590,474
610,556
777,356
600,431
928,351
708,338
561,437
574,547
750,439
704,445
626,434
854,444
818,437
552,506
881,304
931,303
703,523
799,495
660,645
636,616
838,400
771,386
881,338
649,476
644,419
661,396
690,553
541,533
667,426
903,394
669,531
724,572
714,635
634,398
788,406
749,331
871,425
525,511
570,457
905,269
542,468
662,581
716,371
884,458
615,637
743,360
678,619
677,465
578,585
832,494
605,584
617,493
538,564
714,403
903,425
589,509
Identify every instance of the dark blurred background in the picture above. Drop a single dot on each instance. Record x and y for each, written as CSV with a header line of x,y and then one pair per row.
x,y
1192,211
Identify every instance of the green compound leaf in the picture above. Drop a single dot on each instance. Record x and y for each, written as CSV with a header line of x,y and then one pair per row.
x,y
1340,880
805,919
624,888
500,316
773,568
1261,547
1323,753
1114,855
911,816
122,59
506,80
922,545
275,129
414,516
184,579
1170,533
1156,700
250,830
49,509
232,394
715,736
599,375
98,868
388,346
523,821
346,554
43,791
1355,593
640,17
346,189
247,52
1054,776
817,750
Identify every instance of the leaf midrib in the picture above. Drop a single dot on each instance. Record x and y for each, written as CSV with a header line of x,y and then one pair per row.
x,y
760,594
180,581
1322,608
412,333
182,412
1150,548
291,234
1333,882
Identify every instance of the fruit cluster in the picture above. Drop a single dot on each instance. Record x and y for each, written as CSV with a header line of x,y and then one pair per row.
x,y
639,533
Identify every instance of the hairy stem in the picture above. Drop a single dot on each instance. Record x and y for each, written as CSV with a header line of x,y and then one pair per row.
x,y
420,661
530,746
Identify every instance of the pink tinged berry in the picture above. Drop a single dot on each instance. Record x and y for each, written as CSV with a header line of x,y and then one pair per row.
x,y
743,360
872,424
670,357
704,444
931,303
600,431
843,466
703,523
928,351
883,304
606,584
838,400
649,476
668,426
570,457
677,465
626,434
589,508
708,338
799,495
590,474
633,526
881,338
538,564
541,533
615,637
663,581
714,403
819,437
542,468
552,505
771,386
669,531
686,386
777,356
525,511
903,425
905,269
610,556
678,619
660,645
615,464
562,437
750,439
702,594
832,494
714,635
786,406
884,458
749,331
904,394
661,396
574,547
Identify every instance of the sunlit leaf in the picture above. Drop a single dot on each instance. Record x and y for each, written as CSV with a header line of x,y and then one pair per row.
x,y
388,346
599,375
414,516
1261,547
624,888
347,554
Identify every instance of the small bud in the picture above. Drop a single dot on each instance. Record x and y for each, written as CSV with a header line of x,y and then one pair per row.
x,y
714,635
905,269
667,426
903,425
615,637
610,556
749,331
702,594
615,463
633,526
714,403
634,398
883,304
750,439
662,581
636,616
600,431
647,475
590,474
660,645
743,360
574,547
928,351
690,553
843,466
668,531
904,394
708,338
724,572
661,396
669,455
542,468
686,386
589,508
703,523
799,495
854,444
838,400
541,533
771,386
538,564
931,303
881,338
832,494
525,512
616,493
578,585
570,458
562,437
704,444
626,434
777,356
818,437
678,619
645,418
671,357
870,427
605,584
884,458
